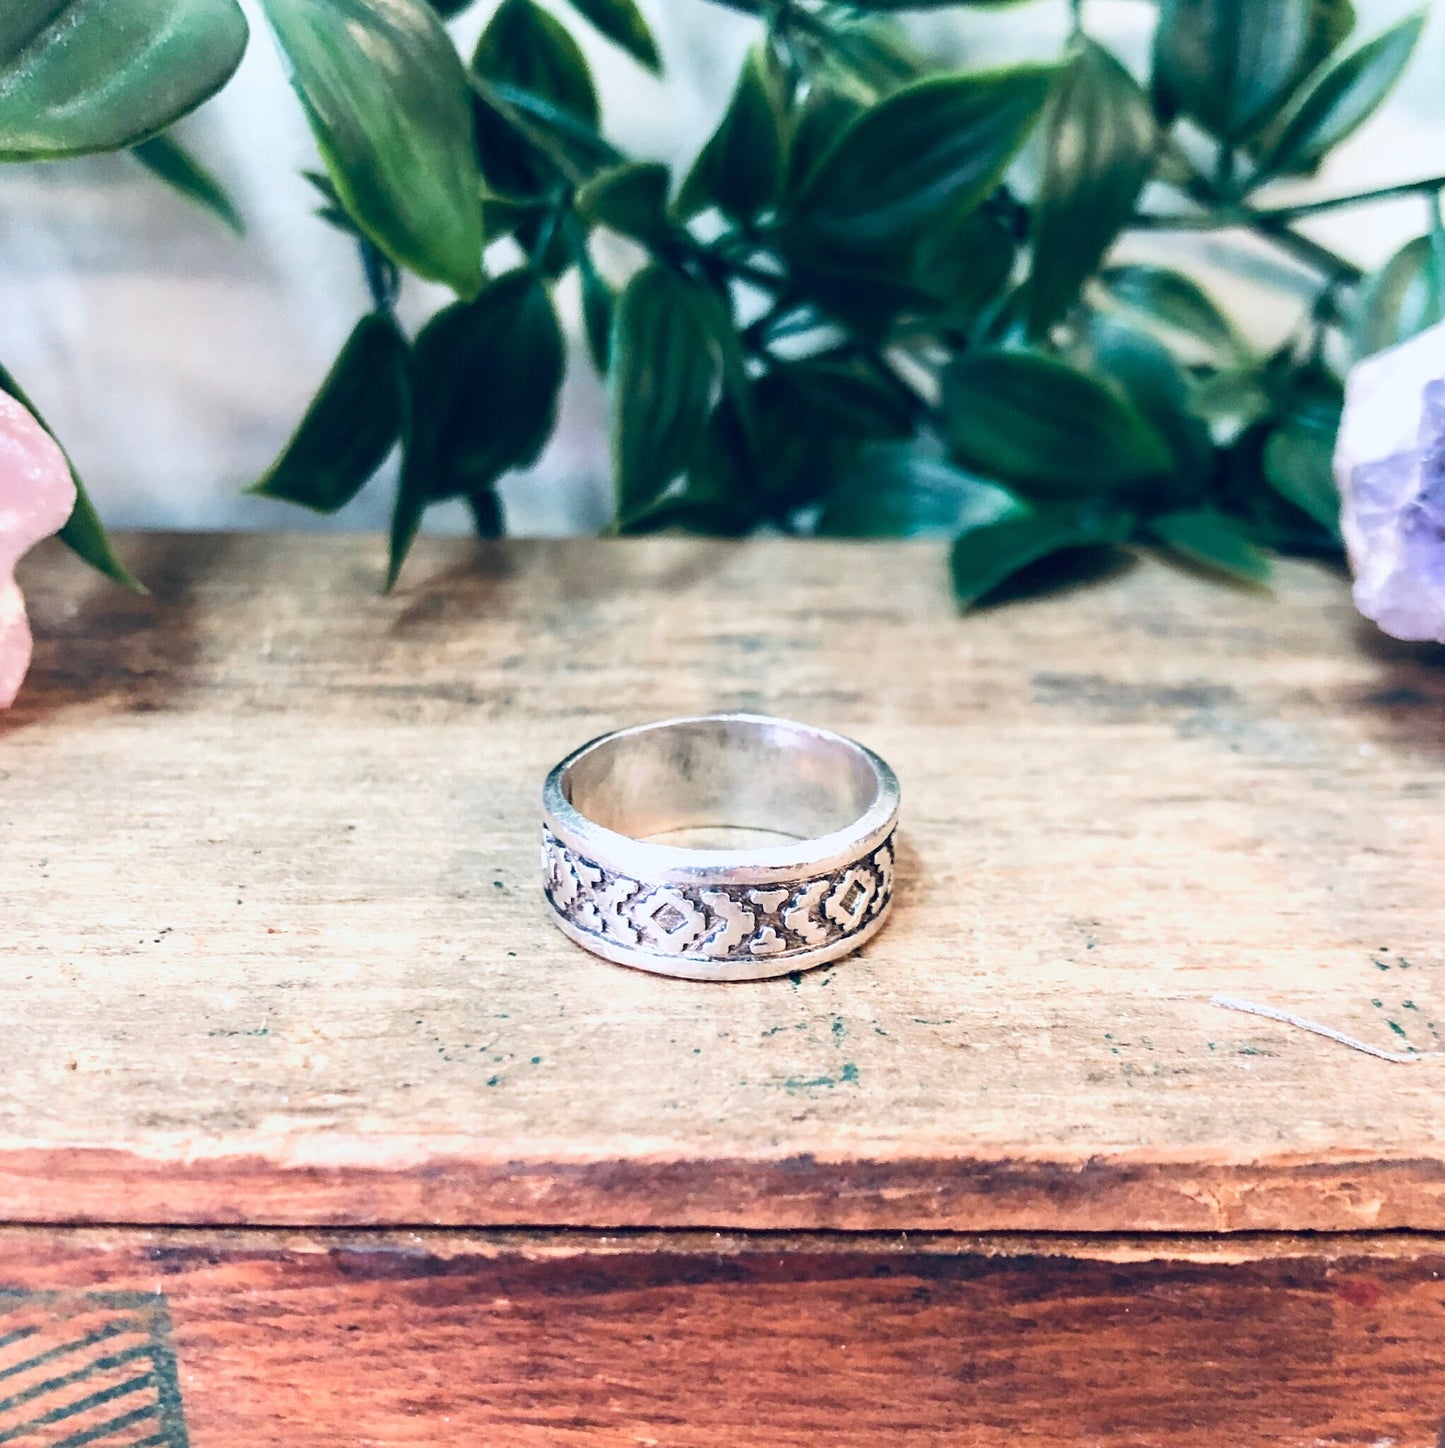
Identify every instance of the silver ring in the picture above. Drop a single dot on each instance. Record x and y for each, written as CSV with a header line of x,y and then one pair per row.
x,y
727,847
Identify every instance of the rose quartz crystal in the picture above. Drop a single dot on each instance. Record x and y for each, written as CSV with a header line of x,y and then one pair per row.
x,y
37,495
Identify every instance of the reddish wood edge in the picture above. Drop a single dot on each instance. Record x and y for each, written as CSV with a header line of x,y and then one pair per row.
x,y
518,1340
104,1185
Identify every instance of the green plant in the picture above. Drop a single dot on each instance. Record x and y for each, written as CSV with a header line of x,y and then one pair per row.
x,y
81,76
858,312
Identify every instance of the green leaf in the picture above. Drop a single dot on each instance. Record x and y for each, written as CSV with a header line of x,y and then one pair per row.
x,y
826,114
963,265
355,419
1436,238
330,209
622,23
166,158
386,97
1331,22
1031,420
1206,537
526,46
1146,373
845,393
535,116
1231,64
528,143
598,303
666,368
406,515
1340,101
1400,300
484,378
1229,401
893,7
1099,138
1298,465
868,55
740,169
630,199
813,418
1307,391
83,533
1179,306
687,508
987,556
1000,323
714,496
897,492
934,148
869,297
1284,488
503,215
99,75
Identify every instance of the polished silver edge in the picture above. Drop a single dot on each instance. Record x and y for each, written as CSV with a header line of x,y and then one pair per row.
x,y
628,887
677,865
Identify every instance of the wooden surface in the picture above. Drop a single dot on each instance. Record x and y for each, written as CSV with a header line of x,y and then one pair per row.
x,y
274,950
536,1340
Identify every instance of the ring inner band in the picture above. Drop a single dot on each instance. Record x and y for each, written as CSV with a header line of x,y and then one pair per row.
x,y
708,778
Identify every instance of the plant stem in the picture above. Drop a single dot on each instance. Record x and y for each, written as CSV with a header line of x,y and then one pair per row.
x,y
1303,248
809,23
383,280
884,370
1437,257
1332,203
1224,168
1274,223
743,270
1181,221
550,222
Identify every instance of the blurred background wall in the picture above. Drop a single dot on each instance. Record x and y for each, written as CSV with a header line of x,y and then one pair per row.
x,y
174,359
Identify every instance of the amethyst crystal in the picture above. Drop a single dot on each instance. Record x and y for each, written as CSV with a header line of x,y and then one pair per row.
x,y
1390,467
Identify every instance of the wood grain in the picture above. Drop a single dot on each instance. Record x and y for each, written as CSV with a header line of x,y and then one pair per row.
x,y
701,1341
274,951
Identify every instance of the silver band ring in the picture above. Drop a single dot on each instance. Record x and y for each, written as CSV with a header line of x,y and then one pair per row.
x,y
727,847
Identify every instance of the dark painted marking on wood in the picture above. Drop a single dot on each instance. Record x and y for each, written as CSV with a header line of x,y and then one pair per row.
x,y
88,1370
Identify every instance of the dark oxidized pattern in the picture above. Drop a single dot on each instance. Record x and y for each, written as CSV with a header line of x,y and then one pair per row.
x,y
725,922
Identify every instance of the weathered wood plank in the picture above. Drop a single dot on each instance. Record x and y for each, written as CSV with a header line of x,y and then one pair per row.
x,y
274,950
695,1341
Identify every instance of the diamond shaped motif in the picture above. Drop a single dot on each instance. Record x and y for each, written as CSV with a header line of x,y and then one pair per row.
x,y
850,898
668,920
